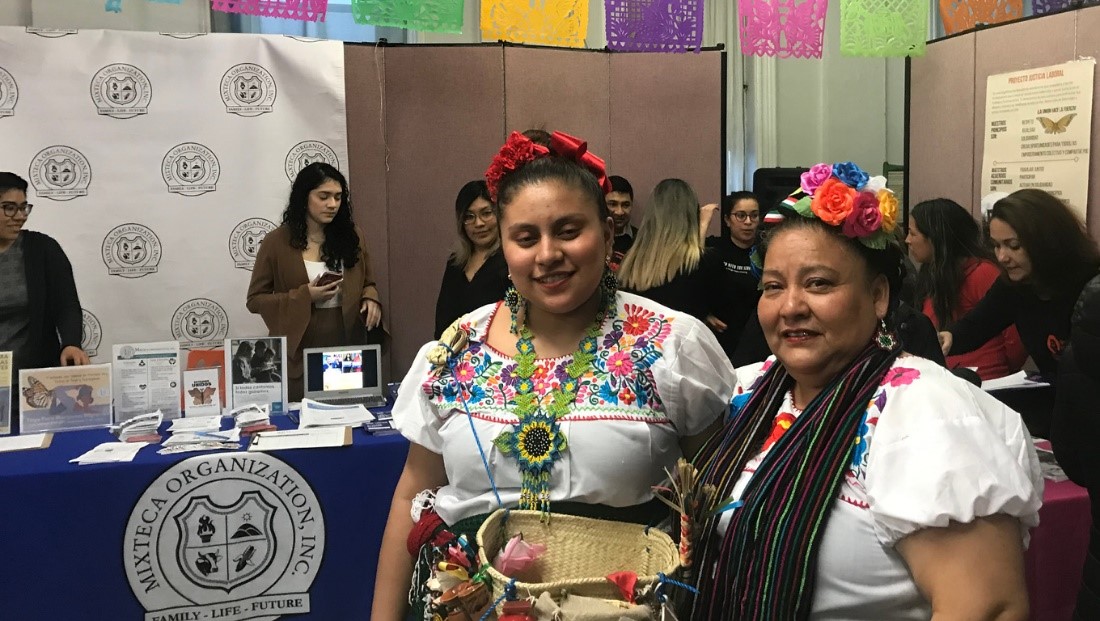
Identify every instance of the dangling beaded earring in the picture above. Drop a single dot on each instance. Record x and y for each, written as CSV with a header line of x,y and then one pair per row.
x,y
884,338
609,284
513,301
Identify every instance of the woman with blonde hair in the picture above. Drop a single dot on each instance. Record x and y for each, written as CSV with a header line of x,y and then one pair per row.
x,y
668,262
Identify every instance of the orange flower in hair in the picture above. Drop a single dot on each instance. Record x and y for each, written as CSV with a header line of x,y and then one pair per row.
x,y
832,201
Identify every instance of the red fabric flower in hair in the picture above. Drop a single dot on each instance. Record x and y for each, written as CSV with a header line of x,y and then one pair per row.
x,y
517,151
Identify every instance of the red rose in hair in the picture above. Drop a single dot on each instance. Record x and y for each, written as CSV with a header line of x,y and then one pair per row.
x,y
516,152
832,201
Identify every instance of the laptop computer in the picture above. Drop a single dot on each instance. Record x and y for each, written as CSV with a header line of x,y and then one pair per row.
x,y
344,375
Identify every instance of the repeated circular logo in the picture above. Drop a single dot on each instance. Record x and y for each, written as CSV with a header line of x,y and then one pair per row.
x,y
248,89
244,241
131,251
190,169
121,91
9,93
200,323
92,333
307,152
60,173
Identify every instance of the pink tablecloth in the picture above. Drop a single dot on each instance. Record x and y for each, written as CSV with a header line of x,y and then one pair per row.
x,y
1057,552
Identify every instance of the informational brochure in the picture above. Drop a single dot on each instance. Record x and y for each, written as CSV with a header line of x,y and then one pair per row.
x,y
5,393
208,359
201,396
65,398
146,378
256,372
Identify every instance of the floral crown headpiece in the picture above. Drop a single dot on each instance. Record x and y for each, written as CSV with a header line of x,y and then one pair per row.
x,y
518,151
843,195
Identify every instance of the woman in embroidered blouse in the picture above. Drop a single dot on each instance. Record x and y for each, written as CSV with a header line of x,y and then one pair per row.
x,y
640,390
856,463
475,274
956,271
317,236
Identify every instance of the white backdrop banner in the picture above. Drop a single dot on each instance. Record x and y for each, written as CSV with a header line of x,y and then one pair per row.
x,y
159,162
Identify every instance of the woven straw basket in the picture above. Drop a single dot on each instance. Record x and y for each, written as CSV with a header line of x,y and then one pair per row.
x,y
580,552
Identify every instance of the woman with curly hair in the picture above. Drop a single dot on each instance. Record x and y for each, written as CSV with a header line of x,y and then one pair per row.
x,y
956,271
312,281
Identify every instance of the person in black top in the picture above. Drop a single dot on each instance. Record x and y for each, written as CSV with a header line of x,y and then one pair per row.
x,y
738,289
40,316
667,262
1075,429
475,274
619,201
1047,257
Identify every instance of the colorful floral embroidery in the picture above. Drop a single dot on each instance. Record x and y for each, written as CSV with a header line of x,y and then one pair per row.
x,y
900,376
782,423
621,374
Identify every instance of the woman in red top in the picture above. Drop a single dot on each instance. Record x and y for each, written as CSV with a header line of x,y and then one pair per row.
x,y
956,270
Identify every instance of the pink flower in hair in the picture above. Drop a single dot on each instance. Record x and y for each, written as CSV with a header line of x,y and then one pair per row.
x,y
865,217
817,175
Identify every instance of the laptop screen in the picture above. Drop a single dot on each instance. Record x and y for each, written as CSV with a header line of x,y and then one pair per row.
x,y
344,371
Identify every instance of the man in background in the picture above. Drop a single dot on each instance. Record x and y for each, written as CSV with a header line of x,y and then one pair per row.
x,y
619,202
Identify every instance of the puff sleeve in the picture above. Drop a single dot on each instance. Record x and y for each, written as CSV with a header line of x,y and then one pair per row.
x,y
414,415
944,451
696,381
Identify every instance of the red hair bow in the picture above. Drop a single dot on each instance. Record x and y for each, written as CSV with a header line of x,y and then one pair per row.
x,y
518,150
573,148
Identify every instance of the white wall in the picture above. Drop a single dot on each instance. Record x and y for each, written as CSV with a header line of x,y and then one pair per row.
x,y
840,108
188,16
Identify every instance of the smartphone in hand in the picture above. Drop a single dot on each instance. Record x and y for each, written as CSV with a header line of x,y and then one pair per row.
x,y
328,278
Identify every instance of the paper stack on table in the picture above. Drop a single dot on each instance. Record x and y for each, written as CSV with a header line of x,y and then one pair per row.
x,y
201,433
317,414
252,418
142,428
1016,381
110,452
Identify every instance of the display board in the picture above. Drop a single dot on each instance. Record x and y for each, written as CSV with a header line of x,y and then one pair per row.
x,y
947,90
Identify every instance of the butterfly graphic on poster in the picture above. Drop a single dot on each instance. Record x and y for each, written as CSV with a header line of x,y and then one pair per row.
x,y
36,393
202,396
1056,127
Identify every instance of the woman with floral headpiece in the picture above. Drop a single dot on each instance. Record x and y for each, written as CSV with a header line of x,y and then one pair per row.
x,y
568,396
864,482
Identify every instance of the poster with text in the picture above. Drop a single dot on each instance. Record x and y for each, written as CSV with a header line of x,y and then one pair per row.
x,y
203,398
64,398
1038,127
146,379
256,371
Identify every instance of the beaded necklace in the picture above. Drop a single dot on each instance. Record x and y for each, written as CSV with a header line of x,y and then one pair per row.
x,y
536,441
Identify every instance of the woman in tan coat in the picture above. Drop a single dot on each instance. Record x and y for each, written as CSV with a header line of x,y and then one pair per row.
x,y
312,281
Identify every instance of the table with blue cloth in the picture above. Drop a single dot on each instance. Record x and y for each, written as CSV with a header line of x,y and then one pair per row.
x,y
226,535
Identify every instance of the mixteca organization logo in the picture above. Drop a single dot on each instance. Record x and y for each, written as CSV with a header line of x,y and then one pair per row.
x,y
190,169
244,241
248,89
121,91
92,335
200,323
234,537
60,173
9,93
307,152
131,250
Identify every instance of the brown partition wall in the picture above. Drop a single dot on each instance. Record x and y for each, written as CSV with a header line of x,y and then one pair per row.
x,y
423,120
947,100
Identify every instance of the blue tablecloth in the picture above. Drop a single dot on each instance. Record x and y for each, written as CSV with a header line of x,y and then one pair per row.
x,y
65,525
